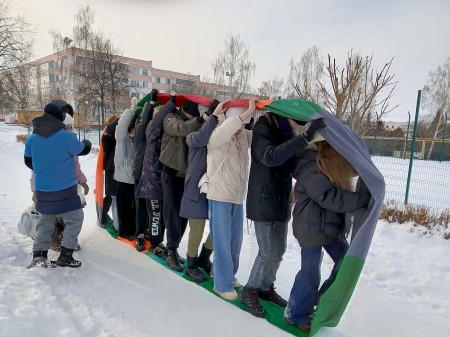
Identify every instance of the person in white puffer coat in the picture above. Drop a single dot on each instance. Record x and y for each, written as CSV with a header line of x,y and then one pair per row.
x,y
123,172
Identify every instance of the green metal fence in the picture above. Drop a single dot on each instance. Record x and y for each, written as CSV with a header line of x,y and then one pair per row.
x,y
430,173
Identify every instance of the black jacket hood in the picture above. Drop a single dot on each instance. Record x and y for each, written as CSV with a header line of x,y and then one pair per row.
x,y
46,125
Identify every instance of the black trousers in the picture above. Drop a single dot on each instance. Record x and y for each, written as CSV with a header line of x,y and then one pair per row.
x,y
107,202
156,223
126,209
141,216
173,188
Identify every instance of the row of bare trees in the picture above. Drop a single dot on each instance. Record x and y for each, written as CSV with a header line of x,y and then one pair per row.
x,y
16,42
99,74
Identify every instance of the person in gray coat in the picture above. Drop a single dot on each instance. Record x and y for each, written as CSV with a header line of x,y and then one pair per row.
x,y
324,193
194,205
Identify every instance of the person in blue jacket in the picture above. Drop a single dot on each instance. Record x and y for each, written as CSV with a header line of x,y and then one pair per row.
x,y
50,152
194,205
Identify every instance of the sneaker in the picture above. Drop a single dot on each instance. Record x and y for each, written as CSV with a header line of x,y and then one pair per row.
x,y
236,283
228,295
249,297
173,261
302,327
64,261
140,244
272,296
158,251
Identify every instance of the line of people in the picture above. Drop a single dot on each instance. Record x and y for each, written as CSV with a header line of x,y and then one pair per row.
x,y
168,168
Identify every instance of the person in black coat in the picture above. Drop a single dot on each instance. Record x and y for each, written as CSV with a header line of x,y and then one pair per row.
x,y
274,153
324,193
109,146
142,219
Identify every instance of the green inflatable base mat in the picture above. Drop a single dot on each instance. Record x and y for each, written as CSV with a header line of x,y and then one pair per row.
x,y
274,313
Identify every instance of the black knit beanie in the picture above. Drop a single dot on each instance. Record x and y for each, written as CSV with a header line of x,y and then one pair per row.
x,y
66,107
191,108
54,110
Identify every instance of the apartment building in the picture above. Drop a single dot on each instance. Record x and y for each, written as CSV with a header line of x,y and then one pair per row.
x,y
51,76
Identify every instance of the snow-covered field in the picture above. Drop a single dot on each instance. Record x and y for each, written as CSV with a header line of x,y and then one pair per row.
x,y
403,290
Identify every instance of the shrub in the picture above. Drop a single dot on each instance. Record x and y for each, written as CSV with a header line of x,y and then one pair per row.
x,y
22,138
418,215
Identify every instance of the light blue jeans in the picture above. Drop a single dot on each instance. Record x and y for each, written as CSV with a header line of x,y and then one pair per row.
x,y
272,242
226,221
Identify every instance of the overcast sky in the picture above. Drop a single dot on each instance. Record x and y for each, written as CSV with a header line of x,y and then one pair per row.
x,y
186,35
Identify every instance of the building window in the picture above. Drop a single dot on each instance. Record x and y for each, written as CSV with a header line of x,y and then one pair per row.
x,y
158,80
168,81
145,72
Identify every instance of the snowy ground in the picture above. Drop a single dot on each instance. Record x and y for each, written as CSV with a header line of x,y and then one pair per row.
x,y
403,290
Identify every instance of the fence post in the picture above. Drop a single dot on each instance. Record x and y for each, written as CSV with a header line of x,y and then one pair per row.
x,y
443,139
407,136
413,144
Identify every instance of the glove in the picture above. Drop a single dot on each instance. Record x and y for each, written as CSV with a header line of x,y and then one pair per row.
x,y
250,125
153,94
315,126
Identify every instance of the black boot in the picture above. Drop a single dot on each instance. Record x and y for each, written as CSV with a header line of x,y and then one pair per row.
x,y
40,260
203,259
272,295
140,244
249,297
193,271
65,259
173,261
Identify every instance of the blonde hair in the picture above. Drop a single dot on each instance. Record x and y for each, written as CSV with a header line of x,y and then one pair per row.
x,y
112,118
335,167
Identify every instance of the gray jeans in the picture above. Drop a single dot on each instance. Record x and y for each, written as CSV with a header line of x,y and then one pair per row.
x,y
46,226
272,242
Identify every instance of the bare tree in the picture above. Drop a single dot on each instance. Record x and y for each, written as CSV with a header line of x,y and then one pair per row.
x,y
99,72
305,76
271,89
353,92
233,68
436,98
16,42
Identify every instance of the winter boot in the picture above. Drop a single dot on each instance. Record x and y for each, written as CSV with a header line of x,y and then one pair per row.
x,y
65,259
173,260
40,260
272,295
249,297
140,244
193,271
159,250
203,259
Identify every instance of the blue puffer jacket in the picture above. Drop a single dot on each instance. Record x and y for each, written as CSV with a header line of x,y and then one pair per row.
x,y
149,186
194,204
50,153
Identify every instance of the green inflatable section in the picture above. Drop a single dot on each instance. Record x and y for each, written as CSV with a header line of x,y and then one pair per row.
x,y
334,301
298,109
274,313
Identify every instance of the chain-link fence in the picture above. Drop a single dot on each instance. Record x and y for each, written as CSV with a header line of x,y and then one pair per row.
x,y
430,169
